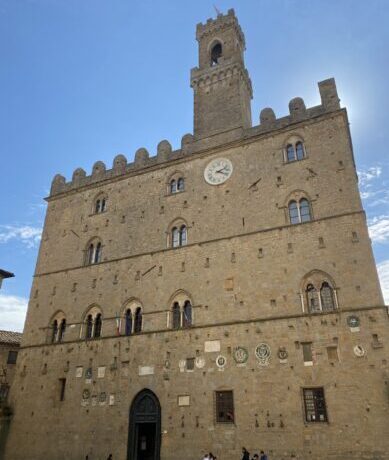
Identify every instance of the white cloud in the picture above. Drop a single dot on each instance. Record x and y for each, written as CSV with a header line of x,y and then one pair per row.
x,y
379,229
12,312
30,236
383,273
368,175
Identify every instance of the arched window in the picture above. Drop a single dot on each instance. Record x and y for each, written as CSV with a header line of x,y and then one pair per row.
x,y
54,332
89,327
181,184
299,212
327,297
175,237
299,150
305,210
290,152
100,204
97,255
98,325
187,314
138,320
216,53
90,254
128,322
93,253
173,186
62,328
312,299
176,316
294,150
183,235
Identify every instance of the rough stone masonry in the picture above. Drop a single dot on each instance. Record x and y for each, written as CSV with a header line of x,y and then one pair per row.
x,y
212,297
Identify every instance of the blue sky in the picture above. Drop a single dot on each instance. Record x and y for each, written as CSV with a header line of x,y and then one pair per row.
x,y
83,80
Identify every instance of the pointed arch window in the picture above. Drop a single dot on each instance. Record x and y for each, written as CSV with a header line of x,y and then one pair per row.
x,y
128,322
290,152
299,150
299,212
175,237
177,184
138,320
176,316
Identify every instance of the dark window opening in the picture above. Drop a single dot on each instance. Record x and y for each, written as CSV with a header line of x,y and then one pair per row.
x,y
12,356
98,325
128,322
138,320
62,328
327,297
89,327
224,407
216,53
55,331
315,406
176,316
62,384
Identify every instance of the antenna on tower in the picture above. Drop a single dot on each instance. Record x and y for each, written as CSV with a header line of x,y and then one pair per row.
x,y
217,10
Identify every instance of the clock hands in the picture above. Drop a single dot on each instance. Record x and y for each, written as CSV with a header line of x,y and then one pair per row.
x,y
222,171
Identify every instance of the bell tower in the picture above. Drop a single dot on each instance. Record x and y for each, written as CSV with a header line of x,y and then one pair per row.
x,y
221,83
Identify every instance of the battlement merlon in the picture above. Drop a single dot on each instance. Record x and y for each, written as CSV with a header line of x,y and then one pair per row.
x,y
222,21
268,123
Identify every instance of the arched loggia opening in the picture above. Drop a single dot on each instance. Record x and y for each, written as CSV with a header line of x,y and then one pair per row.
x,y
144,436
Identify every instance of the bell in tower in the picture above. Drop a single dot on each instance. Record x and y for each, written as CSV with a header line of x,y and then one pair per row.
x,y
221,84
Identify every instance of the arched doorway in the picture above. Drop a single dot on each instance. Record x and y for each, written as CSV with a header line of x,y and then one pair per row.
x,y
144,436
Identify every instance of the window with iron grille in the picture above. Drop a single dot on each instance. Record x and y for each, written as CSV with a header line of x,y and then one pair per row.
x,y
224,407
315,405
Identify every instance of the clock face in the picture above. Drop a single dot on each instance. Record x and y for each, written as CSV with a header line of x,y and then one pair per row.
x,y
218,171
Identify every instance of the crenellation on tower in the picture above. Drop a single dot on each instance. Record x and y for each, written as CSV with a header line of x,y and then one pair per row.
x,y
224,292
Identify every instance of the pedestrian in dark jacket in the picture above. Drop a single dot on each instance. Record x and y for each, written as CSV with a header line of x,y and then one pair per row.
x,y
263,456
246,454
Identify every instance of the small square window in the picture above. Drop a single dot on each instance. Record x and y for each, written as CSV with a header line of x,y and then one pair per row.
x,y
332,353
12,356
224,407
315,406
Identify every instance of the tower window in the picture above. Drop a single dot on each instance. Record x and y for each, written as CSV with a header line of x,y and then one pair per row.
x,y
216,53
177,185
176,316
128,322
93,253
179,236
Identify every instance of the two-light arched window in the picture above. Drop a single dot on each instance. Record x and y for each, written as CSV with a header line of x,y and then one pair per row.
x,y
58,328
179,236
177,185
299,211
181,312
319,294
294,151
93,252
100,204
133,319
93,324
